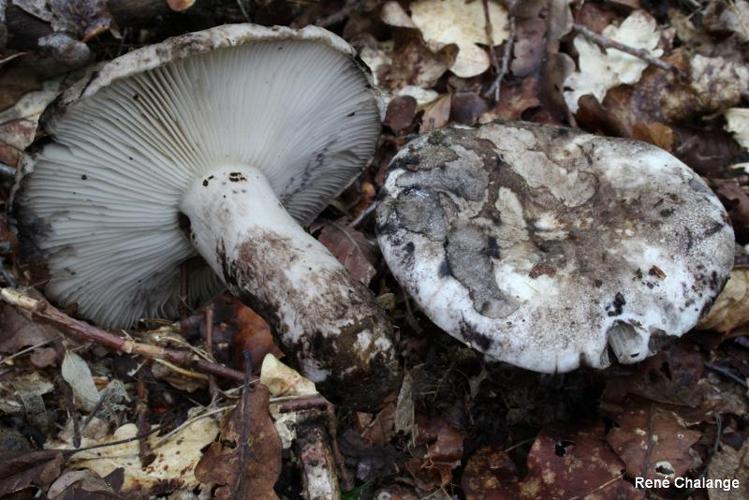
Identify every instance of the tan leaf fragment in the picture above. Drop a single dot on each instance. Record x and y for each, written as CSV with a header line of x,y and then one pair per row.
x,y
731,308
444,22
284,381
175,460
601,71
737,122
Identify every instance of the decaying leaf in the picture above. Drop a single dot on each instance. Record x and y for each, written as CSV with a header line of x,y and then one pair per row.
x,y
351,247
730,464
436,115
19,332
221,462
19,470
400,114
731,308
18,124
252,334
444,22
443,453
406,62
284,381
601,71
490,473
730,15
77,374
566,463
737,122
174,464
652,442
81,484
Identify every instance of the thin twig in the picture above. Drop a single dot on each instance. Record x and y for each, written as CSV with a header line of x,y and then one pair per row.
x,y
343,13
212,387
363,215
244,422
45,311
13,356
495,87
69,404
145,453
607,43
489,35
726,373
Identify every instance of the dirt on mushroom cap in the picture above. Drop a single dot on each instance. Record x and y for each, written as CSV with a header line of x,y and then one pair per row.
x,y
543,246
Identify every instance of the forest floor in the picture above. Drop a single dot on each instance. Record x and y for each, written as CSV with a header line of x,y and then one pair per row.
x,y
460,426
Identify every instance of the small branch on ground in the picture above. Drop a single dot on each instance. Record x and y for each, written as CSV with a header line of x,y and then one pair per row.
x,y
494,88
244,431
489,36
728,373
145,453
45,311
342,14
607,43
363,215
68,401
212,387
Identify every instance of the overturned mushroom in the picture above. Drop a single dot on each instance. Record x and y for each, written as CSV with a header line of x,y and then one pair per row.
x,y
544,247
217,144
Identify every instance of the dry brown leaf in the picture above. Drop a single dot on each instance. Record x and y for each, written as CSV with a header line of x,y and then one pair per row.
x,y
443,454
252,334
436,115
652,442
568,463
351,248
490,474
18,332
400,113
19,470
221,461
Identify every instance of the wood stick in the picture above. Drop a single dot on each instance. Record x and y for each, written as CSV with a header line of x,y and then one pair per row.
x,y
43,310
608,43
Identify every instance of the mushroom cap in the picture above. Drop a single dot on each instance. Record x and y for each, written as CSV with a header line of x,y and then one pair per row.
x,y
100,202
543,246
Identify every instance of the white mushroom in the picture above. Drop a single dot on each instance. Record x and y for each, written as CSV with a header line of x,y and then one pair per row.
x,y
217,144
544,247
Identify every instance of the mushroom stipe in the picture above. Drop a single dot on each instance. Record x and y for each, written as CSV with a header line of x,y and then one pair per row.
x,y
549,248
211,149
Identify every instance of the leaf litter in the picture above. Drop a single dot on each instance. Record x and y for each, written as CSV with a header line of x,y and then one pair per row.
x,y
459,425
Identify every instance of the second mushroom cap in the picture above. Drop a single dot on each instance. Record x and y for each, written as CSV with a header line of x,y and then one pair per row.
x,y
546,247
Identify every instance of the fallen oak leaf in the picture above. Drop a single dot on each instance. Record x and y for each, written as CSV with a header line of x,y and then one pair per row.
x,y
350,247
652,442
444,22
220,463
569,463
19,470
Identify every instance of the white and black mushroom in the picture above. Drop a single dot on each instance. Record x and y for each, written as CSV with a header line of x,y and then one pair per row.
x,y
218,144
549,248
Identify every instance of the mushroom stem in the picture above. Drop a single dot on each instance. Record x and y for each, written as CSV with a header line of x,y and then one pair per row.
x,y
329,321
